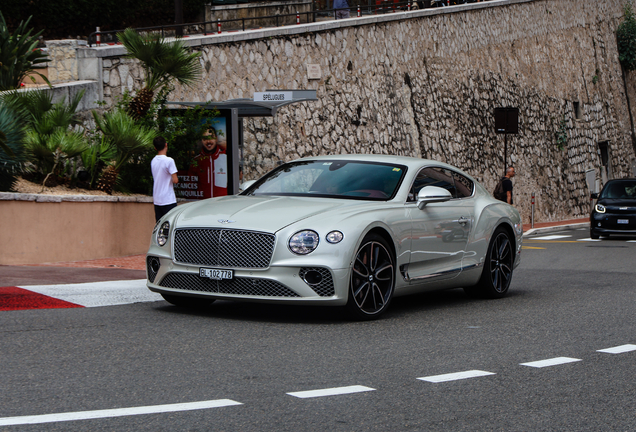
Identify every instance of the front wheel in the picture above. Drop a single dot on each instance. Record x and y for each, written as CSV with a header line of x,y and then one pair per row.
x,y
372,279
498,266
594,235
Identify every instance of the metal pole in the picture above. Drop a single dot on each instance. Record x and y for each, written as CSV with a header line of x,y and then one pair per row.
x,y
505,153
532,220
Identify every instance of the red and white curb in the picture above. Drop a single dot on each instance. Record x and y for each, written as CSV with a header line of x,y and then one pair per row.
x,y
94,294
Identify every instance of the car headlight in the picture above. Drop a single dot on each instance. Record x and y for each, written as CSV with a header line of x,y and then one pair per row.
x,y
304,242
600,208
334,237
162,234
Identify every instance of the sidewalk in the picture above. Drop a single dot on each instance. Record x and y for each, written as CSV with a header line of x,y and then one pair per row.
x,y
134,267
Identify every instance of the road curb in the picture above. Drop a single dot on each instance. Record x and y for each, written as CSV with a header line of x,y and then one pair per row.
x,y
544,230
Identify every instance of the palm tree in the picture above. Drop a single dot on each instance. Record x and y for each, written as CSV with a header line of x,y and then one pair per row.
x,y
127,137
163,63
18,55
52,138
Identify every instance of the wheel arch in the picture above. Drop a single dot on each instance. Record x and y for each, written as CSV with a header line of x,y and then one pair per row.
x,y
382,232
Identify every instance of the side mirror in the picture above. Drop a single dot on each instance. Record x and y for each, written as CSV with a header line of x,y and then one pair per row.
x,y
432,194
594,196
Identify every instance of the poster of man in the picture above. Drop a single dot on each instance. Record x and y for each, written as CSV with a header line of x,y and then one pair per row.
x,y
208,169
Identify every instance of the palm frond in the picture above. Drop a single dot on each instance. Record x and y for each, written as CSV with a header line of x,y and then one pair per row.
x,y
18,54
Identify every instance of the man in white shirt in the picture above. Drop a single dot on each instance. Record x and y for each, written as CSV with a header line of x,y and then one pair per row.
x,y
164,174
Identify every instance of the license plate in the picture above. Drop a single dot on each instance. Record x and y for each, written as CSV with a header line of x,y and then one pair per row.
x,y
623,221
215,274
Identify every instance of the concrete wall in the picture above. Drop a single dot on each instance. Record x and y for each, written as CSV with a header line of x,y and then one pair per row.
x,y
425,84
46,228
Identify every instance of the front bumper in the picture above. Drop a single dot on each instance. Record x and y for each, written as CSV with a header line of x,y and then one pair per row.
x,y
276,284
613,223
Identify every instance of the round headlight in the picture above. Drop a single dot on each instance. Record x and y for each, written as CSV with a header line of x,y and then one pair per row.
x,y
334,237
600,208
162,234
304,242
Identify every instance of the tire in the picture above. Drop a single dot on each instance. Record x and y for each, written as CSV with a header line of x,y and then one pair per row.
x,y
372,279
187,302
498,267
593,235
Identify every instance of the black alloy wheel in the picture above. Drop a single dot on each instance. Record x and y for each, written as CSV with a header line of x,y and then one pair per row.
x,y
186,301
372,279
498,266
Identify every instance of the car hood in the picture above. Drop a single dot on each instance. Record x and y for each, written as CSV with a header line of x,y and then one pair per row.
x,y
268,214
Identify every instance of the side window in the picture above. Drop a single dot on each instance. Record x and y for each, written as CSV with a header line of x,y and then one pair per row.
x,y
433,176
463,185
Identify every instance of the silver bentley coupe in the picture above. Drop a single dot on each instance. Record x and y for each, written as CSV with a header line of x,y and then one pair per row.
x,y
341,230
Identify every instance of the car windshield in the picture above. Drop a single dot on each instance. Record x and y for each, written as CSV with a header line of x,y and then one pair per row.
x,y
332,179
619,189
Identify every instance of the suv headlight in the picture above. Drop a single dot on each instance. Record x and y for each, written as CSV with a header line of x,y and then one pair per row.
x,y
600,208
163,233
304,242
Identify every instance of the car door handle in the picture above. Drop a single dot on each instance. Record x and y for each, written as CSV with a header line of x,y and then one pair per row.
x,y
462,220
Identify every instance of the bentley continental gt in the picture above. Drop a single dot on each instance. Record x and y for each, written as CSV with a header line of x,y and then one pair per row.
x,y
342,230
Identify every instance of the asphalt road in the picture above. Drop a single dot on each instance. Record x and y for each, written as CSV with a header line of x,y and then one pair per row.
x,y
569,299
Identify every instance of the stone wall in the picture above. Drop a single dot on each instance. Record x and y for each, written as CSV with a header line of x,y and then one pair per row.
x,y
425,84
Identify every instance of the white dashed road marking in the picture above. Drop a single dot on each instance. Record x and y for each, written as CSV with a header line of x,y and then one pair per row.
x,y
331,391
119,412
550,237
619,349
456,376
589,240
550,362
99,293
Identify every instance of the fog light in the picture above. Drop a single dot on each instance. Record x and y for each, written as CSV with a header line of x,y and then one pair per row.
x,y
312,277
154,265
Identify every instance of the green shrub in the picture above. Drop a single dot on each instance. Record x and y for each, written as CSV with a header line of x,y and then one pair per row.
x,y
12,158
626,39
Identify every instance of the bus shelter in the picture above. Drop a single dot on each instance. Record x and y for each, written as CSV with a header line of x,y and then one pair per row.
x,y
215,170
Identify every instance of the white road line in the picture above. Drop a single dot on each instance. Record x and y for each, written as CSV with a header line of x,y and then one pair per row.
x,y
619,349
456,376
119,412
99,293
331,391
550,237
589,240
550,362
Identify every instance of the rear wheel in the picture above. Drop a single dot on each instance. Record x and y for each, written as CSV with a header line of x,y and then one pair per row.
x,y
372,279
497,274
187,302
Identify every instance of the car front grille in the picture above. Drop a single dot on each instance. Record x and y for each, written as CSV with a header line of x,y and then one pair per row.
x,y
238,285
223,248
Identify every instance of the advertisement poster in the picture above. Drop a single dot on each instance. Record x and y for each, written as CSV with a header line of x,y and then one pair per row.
x,y
206,173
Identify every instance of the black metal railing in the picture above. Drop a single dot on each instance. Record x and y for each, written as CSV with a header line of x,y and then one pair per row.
x,y
251,23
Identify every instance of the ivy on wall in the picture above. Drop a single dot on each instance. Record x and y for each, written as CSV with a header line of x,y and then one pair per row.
x,y
626,38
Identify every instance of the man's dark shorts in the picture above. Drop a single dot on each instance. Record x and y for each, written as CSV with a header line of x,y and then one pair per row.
x,y
160,211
